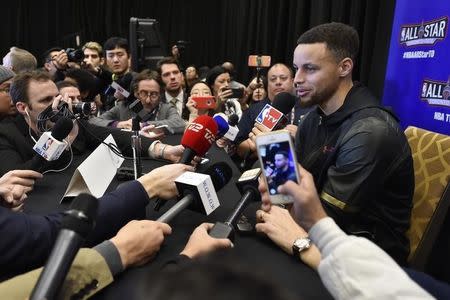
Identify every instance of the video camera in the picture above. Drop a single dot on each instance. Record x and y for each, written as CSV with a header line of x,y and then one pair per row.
x,y
74,55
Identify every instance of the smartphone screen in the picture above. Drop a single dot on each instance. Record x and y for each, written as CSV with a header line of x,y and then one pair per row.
x,y
278,163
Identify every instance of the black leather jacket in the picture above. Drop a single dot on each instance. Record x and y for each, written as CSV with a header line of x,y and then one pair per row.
x,y
363,169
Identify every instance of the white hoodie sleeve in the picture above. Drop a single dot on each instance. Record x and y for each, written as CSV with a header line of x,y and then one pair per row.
x,y
355,268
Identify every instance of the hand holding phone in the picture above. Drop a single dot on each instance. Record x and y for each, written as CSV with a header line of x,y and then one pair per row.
x,y
277,157
164,128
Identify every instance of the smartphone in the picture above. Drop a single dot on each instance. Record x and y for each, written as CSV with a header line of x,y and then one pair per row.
x,y
205,102
236,93
277,158
165,128
259,61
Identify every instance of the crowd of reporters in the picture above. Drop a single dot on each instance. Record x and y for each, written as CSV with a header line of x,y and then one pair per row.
x,y
104,94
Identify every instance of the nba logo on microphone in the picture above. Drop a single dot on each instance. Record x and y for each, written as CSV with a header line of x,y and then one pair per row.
x,y
269,116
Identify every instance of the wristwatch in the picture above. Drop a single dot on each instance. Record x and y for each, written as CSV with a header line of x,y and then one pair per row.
x,y
300,244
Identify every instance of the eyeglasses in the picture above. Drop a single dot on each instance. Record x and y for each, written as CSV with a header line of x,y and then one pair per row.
x,y
5,90
145,94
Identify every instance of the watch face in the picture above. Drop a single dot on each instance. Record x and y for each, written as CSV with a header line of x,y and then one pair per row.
x,y
302,243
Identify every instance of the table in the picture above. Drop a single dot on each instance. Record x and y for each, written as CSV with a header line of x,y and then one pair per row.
x,y
257,251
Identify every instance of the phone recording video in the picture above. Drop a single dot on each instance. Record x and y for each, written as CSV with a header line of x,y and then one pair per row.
x,y
278,162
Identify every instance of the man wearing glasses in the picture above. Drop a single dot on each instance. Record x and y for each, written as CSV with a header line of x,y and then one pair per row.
x,y
147,89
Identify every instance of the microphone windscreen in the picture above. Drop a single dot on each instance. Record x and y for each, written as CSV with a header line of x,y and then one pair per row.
x,y
220,174
222,125
284,102
62,128
81,215
200,135
233,120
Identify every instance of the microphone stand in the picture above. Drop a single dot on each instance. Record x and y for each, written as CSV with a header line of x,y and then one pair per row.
x,y
136,145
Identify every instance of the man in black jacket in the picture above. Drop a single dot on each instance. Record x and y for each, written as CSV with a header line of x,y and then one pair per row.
x,y
355,149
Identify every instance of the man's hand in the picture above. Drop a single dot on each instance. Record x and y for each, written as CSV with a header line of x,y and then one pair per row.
x,y
160,181
139,241
292,130
257,130
60,60
125,124
307,208
280,227
14,185
150,132
200,242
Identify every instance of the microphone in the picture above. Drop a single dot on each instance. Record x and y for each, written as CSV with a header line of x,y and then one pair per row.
x,y
199,190
233,120
248,186
50,145
274,116
75,226
198,138
222,124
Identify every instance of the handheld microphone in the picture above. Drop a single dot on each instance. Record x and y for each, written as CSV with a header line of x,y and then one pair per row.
x,y
274,116
76,225
222,124
50,145
197,139
199,194
233,120
248,186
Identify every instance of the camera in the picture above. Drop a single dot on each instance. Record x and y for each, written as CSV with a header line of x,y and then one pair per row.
x,y
82,108
75,55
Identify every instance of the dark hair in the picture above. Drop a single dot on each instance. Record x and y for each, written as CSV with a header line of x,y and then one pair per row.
x,y
116,42
146,74
46,57
63,84
284,153
21,82
341,39
213,74
167,61
195,83
85,80
216,277
202,71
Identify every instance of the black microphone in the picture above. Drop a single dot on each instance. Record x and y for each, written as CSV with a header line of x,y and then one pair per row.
x,y
248,186
284,102
233,119
75,226
199,194
50,146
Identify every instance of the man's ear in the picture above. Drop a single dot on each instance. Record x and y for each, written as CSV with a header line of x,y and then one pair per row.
x,y
21,107
345,67
47,66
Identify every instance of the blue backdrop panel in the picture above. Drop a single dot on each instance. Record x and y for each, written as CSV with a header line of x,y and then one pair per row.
x,y
417,84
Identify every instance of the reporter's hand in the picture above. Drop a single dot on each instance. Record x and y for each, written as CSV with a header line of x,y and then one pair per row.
x,y
224,94
307,208
281,228
139,241
192,106
150,132
60,60
14,185
160,181
125,124
257,130
201,243
292,129
173,153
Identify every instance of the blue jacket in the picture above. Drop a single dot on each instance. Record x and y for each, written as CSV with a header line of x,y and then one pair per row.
x,y
26,240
